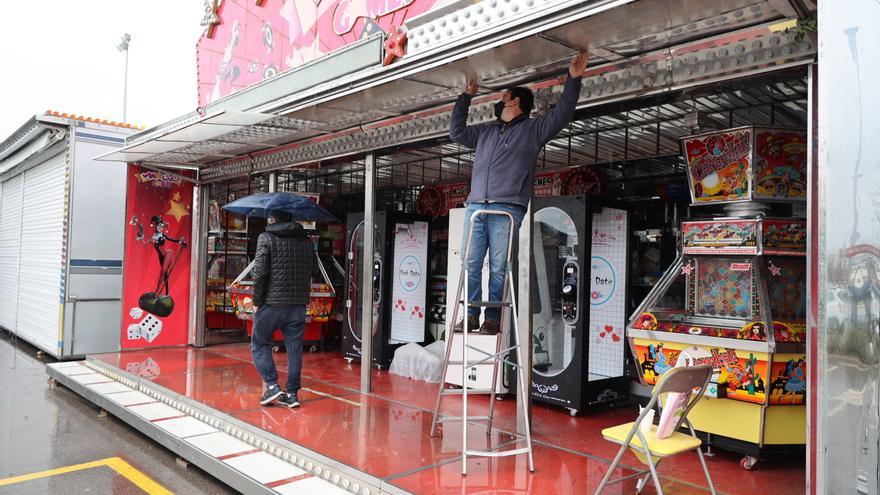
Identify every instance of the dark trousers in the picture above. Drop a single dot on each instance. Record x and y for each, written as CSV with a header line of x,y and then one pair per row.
x,y
291,320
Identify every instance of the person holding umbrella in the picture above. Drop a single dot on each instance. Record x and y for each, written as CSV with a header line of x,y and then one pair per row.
x,y
282,274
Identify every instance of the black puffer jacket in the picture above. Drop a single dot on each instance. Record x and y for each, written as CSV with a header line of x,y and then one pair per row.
x,y
283,266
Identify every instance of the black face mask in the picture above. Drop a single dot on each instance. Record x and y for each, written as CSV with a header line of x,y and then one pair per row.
x,y
499,109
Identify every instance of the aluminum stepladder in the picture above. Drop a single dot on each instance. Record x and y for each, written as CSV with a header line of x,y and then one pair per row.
x,y
498,358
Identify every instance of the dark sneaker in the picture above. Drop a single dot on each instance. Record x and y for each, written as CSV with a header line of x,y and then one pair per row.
x,y
270,395
473,323
289,400
490,327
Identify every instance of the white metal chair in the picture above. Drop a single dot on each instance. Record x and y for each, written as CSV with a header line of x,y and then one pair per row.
x,y
646,446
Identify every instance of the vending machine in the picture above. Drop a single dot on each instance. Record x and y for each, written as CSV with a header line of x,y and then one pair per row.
x,y
400,285
579,301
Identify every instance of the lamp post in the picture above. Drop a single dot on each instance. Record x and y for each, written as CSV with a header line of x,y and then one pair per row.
x,y
123,47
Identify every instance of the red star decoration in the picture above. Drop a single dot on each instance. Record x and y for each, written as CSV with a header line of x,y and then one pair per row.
x,y
775,270
687,269
395,45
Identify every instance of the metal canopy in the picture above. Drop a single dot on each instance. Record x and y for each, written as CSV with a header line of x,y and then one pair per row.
x,y
639,48
629,30
636,143
199,141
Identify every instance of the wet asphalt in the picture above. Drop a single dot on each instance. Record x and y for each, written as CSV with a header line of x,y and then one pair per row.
x,y
43,428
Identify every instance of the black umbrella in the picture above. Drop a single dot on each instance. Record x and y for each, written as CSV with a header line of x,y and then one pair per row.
x,y
263,204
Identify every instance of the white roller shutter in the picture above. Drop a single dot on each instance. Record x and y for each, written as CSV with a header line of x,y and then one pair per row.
x,y
10,232
42,244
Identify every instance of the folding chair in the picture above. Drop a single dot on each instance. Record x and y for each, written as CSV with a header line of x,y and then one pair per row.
x,y
646,446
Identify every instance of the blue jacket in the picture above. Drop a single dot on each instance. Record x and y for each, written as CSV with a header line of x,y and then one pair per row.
x,y
506,153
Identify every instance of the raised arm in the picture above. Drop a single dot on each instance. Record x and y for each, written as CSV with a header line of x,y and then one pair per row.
x,y
560,115
459,131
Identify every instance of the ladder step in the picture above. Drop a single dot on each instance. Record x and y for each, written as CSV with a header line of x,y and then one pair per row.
x,y
447,419
501,453
488,362
488,304
459,391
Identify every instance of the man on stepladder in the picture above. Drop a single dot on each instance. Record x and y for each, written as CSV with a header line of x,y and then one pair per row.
x,y
502,177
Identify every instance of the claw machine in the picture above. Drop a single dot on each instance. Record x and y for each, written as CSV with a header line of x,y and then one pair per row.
x,y
319,313
400,271
735,297
579,302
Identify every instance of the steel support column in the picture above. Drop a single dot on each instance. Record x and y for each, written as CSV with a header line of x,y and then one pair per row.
x,y
273,181
198,266
367,267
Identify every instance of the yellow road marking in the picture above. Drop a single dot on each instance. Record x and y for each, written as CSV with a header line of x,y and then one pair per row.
x,y
115,463
138,478
331,396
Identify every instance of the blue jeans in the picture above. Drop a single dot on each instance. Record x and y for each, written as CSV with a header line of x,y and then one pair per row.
x,y
490,235
291,320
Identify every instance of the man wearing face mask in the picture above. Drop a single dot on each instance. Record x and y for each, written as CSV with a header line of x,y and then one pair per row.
x,y
502,177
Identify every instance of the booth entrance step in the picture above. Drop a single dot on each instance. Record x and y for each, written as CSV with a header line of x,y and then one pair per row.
x,y
247,459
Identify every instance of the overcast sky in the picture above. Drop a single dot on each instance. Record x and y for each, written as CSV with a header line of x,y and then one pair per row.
x,y
61,55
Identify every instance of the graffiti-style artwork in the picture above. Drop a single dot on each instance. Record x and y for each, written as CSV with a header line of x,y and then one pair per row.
x,y
746,376
784,236
747,163
788,383
254,42
157,260
720,236
719,165
780,165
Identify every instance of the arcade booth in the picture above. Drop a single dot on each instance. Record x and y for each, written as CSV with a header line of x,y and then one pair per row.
x,y
668,217
736,295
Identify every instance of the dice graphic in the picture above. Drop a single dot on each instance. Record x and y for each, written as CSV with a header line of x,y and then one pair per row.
x,y
150,369
136,313
133,368
150,327
134,332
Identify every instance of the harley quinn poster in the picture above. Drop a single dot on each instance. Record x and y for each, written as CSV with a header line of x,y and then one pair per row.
x,y
155,295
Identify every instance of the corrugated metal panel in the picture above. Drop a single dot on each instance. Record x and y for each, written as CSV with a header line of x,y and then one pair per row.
x,y
10,231
42,242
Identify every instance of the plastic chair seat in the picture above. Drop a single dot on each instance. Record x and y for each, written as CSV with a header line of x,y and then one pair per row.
x,y
675,444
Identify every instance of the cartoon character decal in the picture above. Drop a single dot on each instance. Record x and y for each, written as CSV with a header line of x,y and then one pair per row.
x,y
159,301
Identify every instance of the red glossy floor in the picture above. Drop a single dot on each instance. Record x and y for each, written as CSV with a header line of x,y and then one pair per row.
x,y
385,433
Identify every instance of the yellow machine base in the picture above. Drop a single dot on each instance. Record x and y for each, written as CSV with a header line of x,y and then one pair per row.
x,y
782,425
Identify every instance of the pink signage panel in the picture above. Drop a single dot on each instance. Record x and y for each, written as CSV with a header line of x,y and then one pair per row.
x,y
254,42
